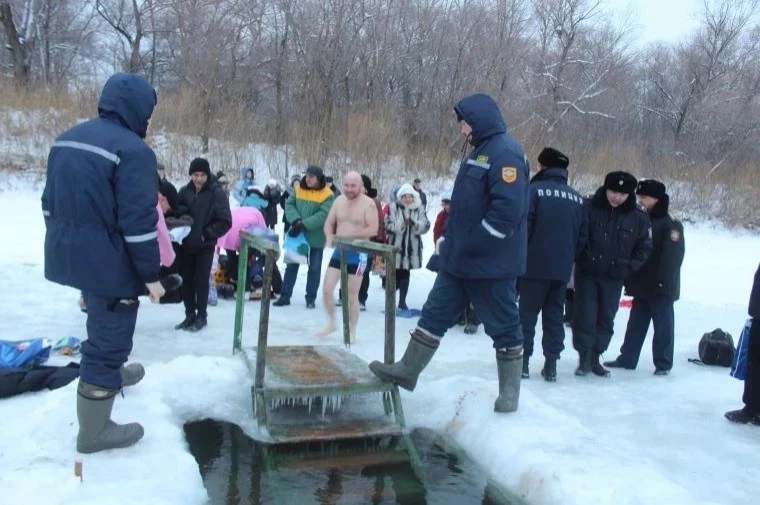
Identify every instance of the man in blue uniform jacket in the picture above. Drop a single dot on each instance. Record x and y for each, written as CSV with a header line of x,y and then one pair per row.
x,y
483,251
556,236
99,205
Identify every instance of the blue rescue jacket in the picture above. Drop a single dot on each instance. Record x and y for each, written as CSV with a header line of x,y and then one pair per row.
x,y
486,234
100,197
556,228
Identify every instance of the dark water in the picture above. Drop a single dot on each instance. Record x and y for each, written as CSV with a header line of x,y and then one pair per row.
x,y
238,470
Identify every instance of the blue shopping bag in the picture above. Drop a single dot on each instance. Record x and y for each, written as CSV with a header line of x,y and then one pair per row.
x,y
296,249
741,357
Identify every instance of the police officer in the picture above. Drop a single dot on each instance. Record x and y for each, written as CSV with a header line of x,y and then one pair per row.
x,y
482,252
619,242
99,204
656,286
556,235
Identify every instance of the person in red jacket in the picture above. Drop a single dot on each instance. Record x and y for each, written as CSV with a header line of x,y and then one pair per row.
x,y
440,219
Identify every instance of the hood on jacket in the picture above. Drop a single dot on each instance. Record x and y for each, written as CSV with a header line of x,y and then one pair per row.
x,y
481,112
245,169
128,99
407,189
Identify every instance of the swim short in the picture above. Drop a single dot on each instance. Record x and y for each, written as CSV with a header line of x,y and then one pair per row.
x,y
356,262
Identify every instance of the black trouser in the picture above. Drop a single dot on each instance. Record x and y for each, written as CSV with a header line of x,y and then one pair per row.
x,y
658,310
364,289
751,396
195,268
596,303
569,304
546,297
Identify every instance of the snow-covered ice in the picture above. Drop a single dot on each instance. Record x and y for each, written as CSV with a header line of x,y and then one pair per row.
x,y
631,439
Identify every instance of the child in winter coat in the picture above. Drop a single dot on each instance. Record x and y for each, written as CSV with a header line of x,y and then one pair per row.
x,y
405,224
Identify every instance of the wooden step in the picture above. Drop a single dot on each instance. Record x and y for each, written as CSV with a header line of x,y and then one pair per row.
x,y
283,433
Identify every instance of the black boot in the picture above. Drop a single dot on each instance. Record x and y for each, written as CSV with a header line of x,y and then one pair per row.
x,y
525,367
187,322
403,289
616,363
742,416
199,323
418,354
549,372
584,363
596,367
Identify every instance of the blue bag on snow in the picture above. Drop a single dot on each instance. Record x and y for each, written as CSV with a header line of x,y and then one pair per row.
x,y
741,357
24,352
296,249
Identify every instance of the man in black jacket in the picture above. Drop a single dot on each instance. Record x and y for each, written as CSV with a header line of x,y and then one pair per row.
x,y
751,411
556,236
205,201
619,242
656,286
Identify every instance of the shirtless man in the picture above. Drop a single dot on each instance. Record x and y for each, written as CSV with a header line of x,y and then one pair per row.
x,y
353,215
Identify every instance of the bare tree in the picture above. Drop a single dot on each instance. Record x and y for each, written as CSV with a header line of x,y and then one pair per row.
x,y
20,38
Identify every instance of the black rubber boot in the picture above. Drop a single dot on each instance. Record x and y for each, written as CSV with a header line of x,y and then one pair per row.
x,y
584,363
418,354
131,374
596,366
549,372
96,430
509,364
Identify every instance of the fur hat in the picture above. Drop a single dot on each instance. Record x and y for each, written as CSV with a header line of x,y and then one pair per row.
x,y
407,189
200,165
552,158
620,182
651,187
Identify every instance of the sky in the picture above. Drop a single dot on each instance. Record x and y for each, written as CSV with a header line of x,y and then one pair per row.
x,y
658,20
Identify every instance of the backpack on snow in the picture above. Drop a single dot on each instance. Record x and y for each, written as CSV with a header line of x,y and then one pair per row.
x,y
716,348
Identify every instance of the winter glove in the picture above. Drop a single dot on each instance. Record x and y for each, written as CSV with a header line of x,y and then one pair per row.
x,y
295,228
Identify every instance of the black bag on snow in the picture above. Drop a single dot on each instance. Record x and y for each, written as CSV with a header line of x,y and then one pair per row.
x,y
717,348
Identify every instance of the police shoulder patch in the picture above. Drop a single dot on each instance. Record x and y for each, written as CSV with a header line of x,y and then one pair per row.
x,y
675,235
509,174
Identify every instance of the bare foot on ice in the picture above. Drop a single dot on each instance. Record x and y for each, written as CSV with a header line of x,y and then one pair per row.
x,y
330,328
